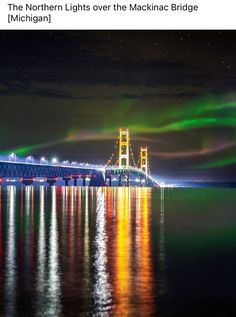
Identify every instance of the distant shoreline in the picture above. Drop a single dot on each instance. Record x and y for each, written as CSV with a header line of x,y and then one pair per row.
x,y
207,184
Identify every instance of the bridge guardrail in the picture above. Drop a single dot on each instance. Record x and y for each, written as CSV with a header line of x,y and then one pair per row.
x,y
30,160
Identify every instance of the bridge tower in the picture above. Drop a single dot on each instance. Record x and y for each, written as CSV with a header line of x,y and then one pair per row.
x,y
144,159
124,148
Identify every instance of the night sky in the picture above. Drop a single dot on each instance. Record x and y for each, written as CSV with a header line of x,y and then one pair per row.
x,y
66,94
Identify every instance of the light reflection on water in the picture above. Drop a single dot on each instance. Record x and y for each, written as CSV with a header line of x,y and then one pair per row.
x,y
162,251
122,253
102,287
41,254
53,291
73,251
77,250
48,271
11,269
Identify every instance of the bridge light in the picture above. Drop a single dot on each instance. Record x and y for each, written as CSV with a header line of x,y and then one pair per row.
x,y
74,163
43,160
54,160
29,159
137,180
12,157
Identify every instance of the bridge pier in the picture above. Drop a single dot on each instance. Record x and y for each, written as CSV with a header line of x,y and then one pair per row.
x,y
120,180
66,179
127,180
109,181
75,177
84,180
27,181
51,181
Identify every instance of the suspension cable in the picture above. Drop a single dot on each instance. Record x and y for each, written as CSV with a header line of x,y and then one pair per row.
x,y
132,156
109,161
138,162
148,168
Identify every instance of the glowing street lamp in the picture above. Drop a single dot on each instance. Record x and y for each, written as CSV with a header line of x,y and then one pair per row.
x,y
54,161
74,163
43,161
29,159
12,157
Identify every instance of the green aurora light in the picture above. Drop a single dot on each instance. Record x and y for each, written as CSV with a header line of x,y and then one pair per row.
x,y
223,114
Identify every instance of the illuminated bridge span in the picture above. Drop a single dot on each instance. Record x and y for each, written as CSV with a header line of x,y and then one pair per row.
x,y
29,170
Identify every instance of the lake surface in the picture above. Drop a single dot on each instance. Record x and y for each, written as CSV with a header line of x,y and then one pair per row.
x,y
79,251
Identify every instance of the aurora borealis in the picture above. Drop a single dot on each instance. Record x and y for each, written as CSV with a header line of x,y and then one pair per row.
x,y
67,94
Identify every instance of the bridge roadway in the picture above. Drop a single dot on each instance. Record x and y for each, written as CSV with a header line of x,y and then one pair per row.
x,y
98,176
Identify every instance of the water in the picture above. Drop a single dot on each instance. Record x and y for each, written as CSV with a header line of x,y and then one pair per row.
x,y
72,251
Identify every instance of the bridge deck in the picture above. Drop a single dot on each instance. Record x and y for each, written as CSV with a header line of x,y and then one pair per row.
x,y
97,175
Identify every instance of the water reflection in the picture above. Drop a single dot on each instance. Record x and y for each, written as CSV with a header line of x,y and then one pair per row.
x,y
53,305
122,281
11,269
86,240
102,288
48,269
71,234
27,245
143,251
162,251
41,254
82,251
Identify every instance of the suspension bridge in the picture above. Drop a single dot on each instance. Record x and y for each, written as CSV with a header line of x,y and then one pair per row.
x,y
121,169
